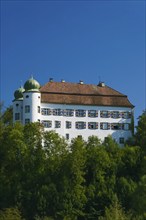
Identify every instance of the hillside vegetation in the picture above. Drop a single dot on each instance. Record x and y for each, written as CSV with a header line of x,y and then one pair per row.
x,y
54,180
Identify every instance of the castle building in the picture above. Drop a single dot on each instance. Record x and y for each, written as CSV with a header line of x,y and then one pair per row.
x,y
75,109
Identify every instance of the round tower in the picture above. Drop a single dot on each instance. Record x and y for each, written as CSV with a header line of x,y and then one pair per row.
x,y
31,101
18,105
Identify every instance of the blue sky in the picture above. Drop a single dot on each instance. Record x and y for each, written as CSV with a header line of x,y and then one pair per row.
x,y
74,40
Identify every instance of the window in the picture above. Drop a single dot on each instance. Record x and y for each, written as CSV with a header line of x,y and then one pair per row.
x,y
121,140
93,125
17,116
115,114
80,125
47,124
80,113
27,96
68,112
27,108
39,109
67,136
116,126
126,115
17,105
68,124
104,114
57,124
104,126
126,126
27,120
57,112
92,113
46,111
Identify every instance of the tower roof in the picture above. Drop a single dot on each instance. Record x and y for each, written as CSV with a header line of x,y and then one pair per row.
x,y
18,94
31,85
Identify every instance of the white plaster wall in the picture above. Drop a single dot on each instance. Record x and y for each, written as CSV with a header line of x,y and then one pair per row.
x,y
73,132
18,108
33,100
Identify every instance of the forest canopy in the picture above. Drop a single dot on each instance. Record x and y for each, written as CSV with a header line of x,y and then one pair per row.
x,y
42,177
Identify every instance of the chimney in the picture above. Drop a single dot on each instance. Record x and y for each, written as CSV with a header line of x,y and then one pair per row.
x,y
81,82
101,84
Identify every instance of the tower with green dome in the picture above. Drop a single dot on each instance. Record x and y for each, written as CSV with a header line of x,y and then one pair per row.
x,y
31,85
18,104
31,101
26,103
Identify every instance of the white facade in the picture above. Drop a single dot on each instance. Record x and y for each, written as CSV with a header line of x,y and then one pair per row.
x,y
31,106
71,121
89,128
53,116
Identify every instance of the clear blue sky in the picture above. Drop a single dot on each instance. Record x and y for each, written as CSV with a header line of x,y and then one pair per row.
x,y
74,40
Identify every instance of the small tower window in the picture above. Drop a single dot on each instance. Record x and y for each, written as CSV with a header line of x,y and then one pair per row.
x,y
27,108
17,116
121,140
67,136
27,96
27,120
39,110
17,105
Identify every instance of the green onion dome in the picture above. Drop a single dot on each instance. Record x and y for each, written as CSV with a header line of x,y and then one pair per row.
x,y
18,94
31,85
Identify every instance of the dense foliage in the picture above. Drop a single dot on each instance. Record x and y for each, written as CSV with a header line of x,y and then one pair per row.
x,y
42,177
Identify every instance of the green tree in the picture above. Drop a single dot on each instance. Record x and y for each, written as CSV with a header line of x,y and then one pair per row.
x,y
128,174
116,212
100,174
72,192
12,150
139,198
6,116
141,132
10,214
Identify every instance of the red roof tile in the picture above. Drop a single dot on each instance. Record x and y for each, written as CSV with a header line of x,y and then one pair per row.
x,y
82,94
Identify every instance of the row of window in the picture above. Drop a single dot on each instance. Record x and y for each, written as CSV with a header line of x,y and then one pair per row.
x,y
82,113
91,125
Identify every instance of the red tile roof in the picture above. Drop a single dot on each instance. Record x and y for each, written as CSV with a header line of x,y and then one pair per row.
x,y
82,94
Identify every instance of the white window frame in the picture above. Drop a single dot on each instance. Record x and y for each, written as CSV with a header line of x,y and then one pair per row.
x,y
47,123
27,121
104,114
93,125
115,114
27,108
68,112
68,124
17,116
80,113
116,126
46,111
57,112
57,124
80,125
104,126
92,113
